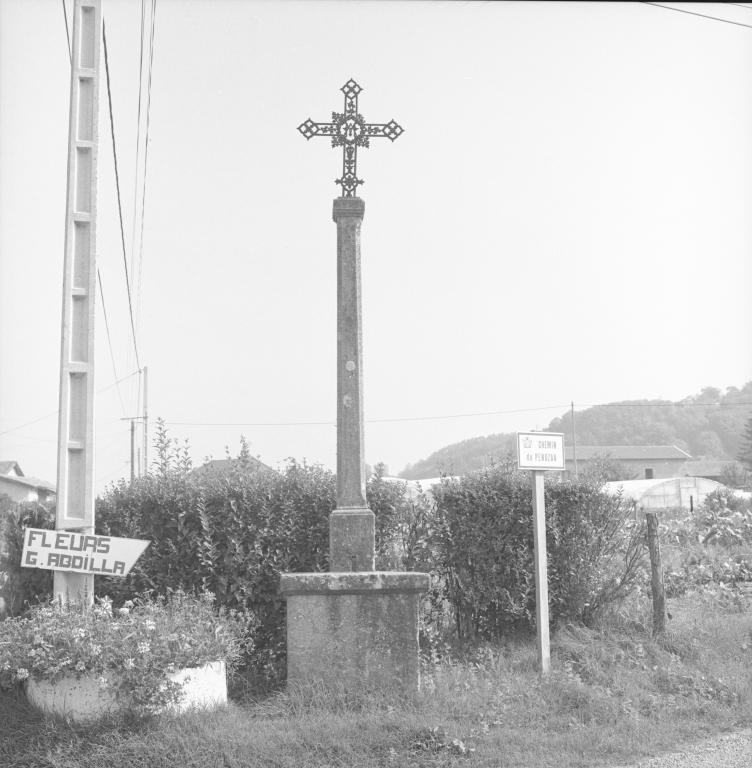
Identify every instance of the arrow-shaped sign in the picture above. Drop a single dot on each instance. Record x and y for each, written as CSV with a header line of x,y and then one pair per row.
x,y
79,553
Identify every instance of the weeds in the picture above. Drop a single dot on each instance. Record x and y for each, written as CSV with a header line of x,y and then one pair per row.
x,y
613,694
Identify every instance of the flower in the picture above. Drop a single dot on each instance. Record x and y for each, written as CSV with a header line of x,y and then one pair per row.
x,y
119,646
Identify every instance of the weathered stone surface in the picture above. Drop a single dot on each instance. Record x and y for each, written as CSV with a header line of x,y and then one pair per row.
x,y
354,629
377,582
352,540
351,477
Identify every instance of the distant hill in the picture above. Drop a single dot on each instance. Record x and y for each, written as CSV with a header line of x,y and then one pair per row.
x,y
458,458
708,425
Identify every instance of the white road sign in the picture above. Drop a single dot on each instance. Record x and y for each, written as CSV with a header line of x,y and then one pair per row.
x,y
79,553
540,450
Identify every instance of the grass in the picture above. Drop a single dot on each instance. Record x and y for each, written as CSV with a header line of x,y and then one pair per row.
x,y
614,695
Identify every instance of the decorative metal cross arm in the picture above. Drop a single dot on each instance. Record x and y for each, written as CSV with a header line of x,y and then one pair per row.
x,y
349,130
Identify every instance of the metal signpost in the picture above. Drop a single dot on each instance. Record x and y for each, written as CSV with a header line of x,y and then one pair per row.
x,y
540,452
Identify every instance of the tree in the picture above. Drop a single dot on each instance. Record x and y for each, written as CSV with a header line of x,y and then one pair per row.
x,y
745,451
734,475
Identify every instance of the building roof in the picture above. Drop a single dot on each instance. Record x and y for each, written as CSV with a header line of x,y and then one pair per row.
x,y
6,467
29,482
626,452
225,465
704,468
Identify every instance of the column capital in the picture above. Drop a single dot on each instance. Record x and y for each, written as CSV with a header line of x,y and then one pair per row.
x,y
348,206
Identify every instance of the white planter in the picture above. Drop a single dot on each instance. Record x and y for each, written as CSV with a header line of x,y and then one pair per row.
x,y
86,699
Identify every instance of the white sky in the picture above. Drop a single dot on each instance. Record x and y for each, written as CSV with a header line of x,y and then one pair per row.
x,y
566,217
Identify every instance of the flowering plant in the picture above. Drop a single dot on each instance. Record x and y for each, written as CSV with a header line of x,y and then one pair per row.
x,y
132,649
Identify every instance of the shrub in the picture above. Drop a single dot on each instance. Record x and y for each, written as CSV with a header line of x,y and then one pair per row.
x,y
21,587
485,551
232,533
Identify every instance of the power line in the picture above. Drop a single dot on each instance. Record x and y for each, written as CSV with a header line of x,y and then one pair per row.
x,y
653,405
67,33
99,479
109,341
146,159
117,184
739,5
138,133
54,413
692,13
433,418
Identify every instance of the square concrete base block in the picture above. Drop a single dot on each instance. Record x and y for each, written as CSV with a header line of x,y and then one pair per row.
x,y
354,629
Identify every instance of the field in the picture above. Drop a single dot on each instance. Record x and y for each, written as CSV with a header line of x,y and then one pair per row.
x,y
614,695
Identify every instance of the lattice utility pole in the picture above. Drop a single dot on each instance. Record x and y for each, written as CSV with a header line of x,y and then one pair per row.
x,y
75,468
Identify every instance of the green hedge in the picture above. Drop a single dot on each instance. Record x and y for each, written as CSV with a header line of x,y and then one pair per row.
x,y
233,533
21,587
483,555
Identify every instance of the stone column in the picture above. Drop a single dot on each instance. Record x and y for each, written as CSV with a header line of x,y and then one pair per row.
x,y
352,524
346,628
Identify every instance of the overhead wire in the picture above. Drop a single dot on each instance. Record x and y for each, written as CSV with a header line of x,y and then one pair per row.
x,y
704,16
109,340
55,413
146,160
451,416
117,185
99,479
67,33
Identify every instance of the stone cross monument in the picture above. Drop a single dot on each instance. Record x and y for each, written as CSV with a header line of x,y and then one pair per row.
x,y
351,528
353,625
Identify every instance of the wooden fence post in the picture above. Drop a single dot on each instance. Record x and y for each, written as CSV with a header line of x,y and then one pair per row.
x,y
656,575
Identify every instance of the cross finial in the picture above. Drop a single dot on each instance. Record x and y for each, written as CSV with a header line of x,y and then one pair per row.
x,y
349,130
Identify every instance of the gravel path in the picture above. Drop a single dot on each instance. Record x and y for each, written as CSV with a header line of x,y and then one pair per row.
x,y
732,750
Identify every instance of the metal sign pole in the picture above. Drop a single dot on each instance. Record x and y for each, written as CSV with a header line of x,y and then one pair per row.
x,y
541,573
541,452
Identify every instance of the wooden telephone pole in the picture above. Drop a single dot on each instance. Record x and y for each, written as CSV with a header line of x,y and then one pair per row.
x,y
75,468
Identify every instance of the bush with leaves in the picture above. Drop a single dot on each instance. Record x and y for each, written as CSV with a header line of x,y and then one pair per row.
x,y
22,587
484,545
232,533
711,548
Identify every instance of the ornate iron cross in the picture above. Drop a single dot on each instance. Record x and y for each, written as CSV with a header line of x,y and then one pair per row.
x,y
349,130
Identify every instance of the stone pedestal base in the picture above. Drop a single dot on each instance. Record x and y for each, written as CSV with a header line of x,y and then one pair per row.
x,y
354,629
352,539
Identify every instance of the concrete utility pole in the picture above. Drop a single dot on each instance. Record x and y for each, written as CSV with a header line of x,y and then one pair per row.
x,y
146,420
75,468
133,452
